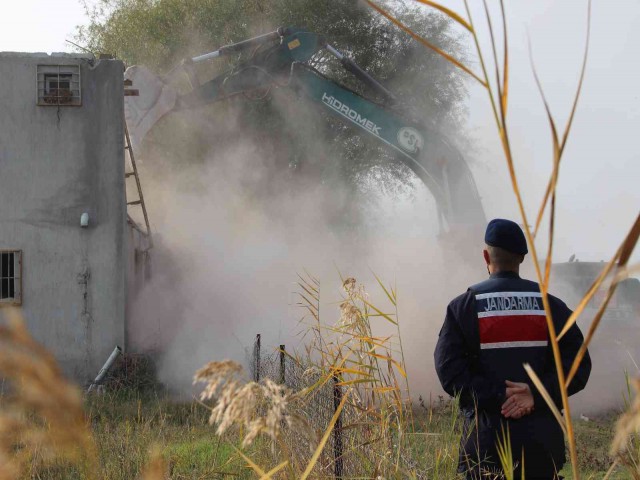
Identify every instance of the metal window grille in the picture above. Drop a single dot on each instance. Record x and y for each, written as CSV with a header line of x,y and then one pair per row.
x,y
11,277
58,85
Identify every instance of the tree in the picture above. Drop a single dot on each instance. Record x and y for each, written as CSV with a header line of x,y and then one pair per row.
x,y
160,33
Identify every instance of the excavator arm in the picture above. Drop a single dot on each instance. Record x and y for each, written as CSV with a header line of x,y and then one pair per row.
x,y
281,59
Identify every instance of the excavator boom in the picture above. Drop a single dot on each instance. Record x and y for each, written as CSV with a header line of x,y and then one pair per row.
x,y
282,59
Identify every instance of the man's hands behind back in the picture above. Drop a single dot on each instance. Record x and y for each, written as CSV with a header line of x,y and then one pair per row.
x,y
519,400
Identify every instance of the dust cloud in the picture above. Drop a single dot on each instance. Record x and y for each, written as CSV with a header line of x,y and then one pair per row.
x,y
231,238
233,232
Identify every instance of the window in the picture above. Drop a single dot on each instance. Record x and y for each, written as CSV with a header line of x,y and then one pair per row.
x,y
58,85
10,277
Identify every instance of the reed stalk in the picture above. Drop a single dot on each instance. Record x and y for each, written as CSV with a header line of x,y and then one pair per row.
x,y
498,100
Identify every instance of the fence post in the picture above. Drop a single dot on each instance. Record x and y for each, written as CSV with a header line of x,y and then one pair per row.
x,y
282,364
257,353
337,429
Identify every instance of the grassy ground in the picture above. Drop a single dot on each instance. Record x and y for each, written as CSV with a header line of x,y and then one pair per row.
x,y
594,438
128,427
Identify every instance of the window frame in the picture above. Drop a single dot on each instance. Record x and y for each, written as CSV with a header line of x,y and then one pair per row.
x,y
45,74
16,300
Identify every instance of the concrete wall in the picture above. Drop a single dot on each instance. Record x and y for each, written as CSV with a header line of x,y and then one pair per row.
x,y
138,274
55,164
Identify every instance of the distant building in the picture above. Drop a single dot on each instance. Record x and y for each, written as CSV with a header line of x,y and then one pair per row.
x,y
615,347
571,280
67,250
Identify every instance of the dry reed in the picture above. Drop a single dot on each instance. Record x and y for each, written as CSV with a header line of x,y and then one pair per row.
x,y
625,447
344,359
237,402
42,418
156,468
498,99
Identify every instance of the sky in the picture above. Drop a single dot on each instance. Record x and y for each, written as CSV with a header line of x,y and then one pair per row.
x,y
598,196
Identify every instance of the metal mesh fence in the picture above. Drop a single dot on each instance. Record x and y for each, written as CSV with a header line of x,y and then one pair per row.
x,y
352,441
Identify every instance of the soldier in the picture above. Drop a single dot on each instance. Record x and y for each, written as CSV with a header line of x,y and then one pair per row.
x,y
489,332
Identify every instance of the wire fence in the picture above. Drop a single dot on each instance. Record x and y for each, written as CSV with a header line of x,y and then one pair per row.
x,y
351,440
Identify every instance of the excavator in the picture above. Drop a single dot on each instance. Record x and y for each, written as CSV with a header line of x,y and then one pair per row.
x,y
283,59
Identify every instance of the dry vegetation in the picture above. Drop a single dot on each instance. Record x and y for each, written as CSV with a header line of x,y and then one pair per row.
x,y
42,417
262,429
270,430
497,89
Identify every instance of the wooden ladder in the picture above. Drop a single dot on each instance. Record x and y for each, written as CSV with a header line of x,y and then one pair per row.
x,y
132,171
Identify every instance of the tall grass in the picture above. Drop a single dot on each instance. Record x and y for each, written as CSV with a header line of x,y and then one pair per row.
x,y
625,447
498,96
283,431
42,417
351,409
272,429
48,430
43,424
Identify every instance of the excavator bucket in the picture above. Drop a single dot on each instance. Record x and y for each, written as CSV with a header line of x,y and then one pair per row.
x,y
156,98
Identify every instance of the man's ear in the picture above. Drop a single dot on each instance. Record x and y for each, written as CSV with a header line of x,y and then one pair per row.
x,y
485,254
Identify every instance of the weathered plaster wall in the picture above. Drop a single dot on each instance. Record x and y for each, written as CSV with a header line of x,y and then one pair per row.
x,y
55,164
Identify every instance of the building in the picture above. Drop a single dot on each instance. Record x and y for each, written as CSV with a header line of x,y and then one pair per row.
x,y
571,281
67,248
615,347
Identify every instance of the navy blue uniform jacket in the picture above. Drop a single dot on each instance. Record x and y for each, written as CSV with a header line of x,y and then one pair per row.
x,y
488,334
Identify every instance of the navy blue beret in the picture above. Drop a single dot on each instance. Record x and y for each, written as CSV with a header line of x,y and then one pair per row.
x,y
506,234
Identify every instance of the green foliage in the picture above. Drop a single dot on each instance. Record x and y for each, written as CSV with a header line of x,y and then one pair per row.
x,y
160,33
505,453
